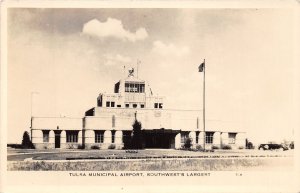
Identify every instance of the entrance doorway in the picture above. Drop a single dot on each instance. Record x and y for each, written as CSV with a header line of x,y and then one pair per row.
x,y
160,138
57,139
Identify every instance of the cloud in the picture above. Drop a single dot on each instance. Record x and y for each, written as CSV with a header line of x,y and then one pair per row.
x,y
123,59
112,60
112,28
170,49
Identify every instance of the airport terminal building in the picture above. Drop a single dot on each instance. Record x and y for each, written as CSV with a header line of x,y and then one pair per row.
x,y
109,124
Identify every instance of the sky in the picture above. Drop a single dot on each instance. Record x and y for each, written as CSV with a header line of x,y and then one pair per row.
x,y
63,58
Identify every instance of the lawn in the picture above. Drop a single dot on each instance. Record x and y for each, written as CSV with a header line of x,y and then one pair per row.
x,y
16,155
147,160
155,165
19,155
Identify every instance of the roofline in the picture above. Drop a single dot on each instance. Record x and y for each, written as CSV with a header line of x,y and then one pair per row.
x,y
61,117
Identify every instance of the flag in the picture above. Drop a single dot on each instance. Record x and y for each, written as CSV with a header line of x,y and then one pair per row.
x,y
201,67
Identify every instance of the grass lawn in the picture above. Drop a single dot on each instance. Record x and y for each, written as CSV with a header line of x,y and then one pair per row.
x,y
147,160
156,165
18,155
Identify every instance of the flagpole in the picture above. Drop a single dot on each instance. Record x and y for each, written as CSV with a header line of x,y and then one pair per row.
x,y
204,105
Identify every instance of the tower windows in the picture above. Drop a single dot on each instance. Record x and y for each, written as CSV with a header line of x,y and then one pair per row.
x,y
158,105
110,103
135,87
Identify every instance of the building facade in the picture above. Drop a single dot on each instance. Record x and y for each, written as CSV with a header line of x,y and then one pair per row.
x,y
109,124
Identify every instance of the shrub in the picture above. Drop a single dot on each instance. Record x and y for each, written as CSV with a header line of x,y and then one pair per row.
x,y
182,147
95,147
71,146
17,146
226,147
112,146
215,147
137,136
188,143
26,142
199,148
241,147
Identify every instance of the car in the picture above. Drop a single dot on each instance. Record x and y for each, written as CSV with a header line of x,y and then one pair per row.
x,y
272,146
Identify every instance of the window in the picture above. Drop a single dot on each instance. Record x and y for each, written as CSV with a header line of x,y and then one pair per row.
x,y
112,104
209,137
119,106
142,106
72,136
184,136
130,87
135,87
160,105
126,87
99,101
155,105
46,136
139,88
117,86
134,105
113,136
99,136
231,138
142,88
127,105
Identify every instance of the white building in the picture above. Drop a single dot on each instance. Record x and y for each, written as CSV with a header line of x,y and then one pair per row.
x,y
109,125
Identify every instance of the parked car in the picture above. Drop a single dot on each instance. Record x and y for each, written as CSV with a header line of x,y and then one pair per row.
x,y
273,146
